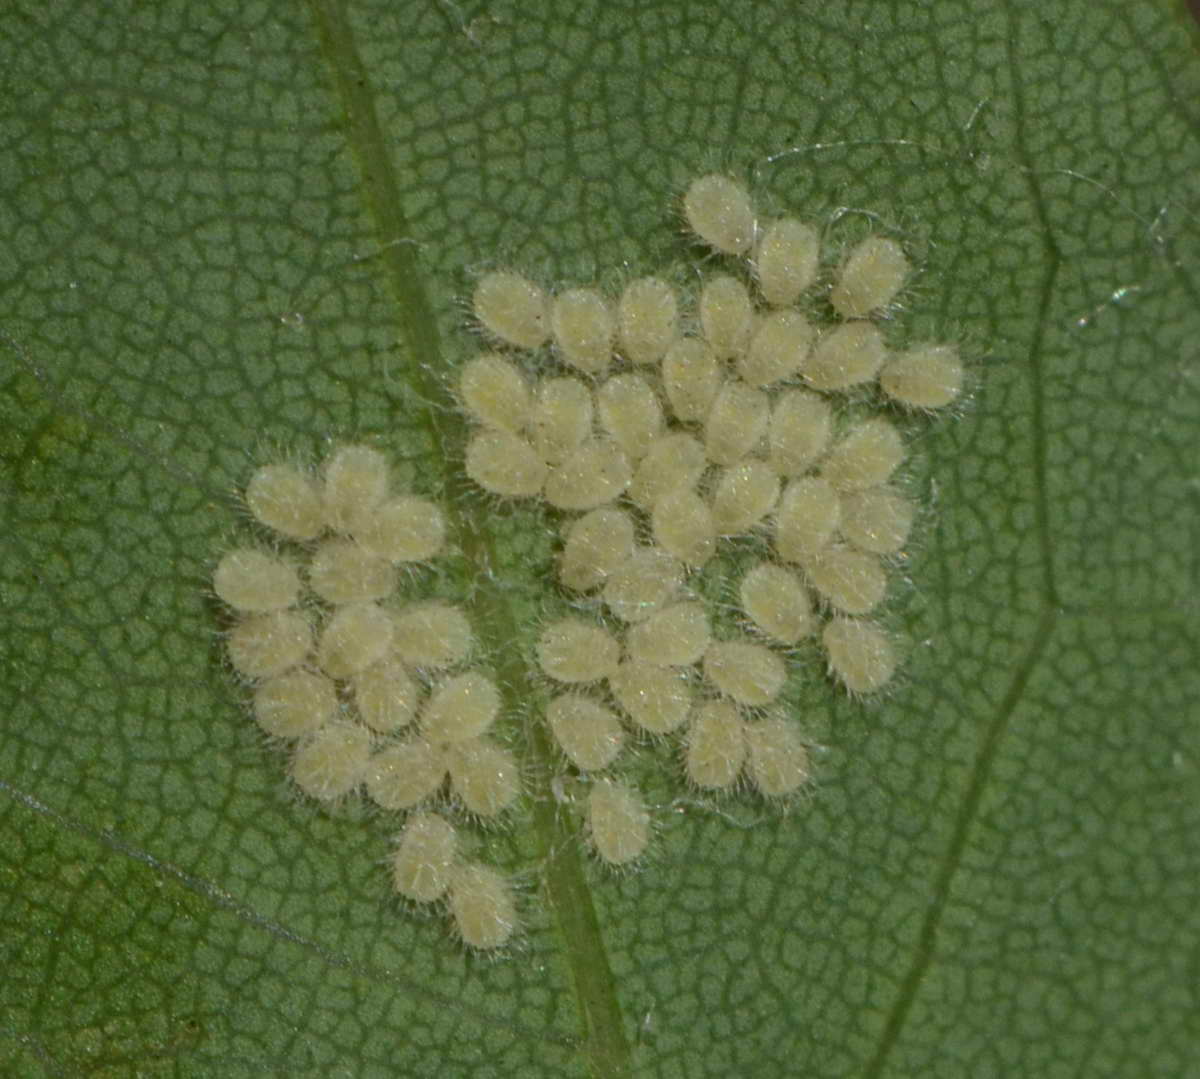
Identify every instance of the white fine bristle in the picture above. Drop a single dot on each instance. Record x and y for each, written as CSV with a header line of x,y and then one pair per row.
x,y
847,356
404,774
744,495
344,571
675,459
357,635
588,733
749,673
512,309
807,518
657,699
849,580
683,526
264,645
355,480
736,422
483,906
861,656
386,695
618,821
927,377
432,635
504,464
484,776
719,211
777,602
726,317
646,320
253,581
676,636
332,762
778,759
866,457
422,863
594,474
631,413
296,703
778,349
403,529
801,426
643,584
785,260
496,393
716,746
877,520
561,418
584,328
460,708
288,500
870,278
571,650
596,544
691,377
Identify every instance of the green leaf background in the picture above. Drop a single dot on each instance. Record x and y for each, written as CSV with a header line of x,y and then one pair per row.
x,y
231,228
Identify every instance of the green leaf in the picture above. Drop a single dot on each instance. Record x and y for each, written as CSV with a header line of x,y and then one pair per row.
x,y
234,228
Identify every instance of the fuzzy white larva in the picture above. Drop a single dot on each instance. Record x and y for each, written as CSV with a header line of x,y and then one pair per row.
x,y
355,480
330,763
848,580
561,418
596,544
423,861
295,703
869,278
594,474
776,601
778,761
485,776
460,708
646,320
657,699
643,584
691,377
404,774
504,464
584,329
386,695
572,650
402,529
866,457
512,309
801,426
618,822
288,500
344,571
736,422
726,317
877,520
483,906
676,636
719,211
744,495
716,746
683,526
496,393
847,356
927,377
264,645
778,350
254,581
432,635
675,459
861,656
785,260
357,635
631,413
807,519
749,673
587,732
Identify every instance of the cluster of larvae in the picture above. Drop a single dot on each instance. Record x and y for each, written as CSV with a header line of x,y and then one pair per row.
x,y
369,692
667,431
